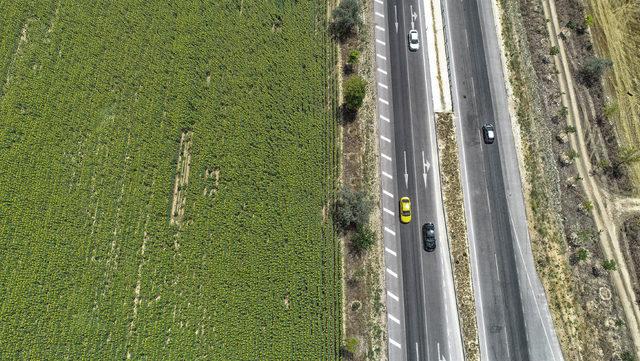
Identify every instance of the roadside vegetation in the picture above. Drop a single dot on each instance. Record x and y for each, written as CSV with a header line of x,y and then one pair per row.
x,y
357,211
577,276
167,171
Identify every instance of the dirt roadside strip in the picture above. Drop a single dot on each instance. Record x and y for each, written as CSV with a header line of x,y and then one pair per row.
x,y
602,210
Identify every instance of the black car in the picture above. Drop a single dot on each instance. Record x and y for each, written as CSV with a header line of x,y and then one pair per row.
x,y
488,133
429,237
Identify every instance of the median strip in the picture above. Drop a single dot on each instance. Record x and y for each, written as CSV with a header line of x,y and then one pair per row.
x,y
457,232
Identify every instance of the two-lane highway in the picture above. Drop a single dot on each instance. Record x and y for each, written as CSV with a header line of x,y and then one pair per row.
x,y
431,324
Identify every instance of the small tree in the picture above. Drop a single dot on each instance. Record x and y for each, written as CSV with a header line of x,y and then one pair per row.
x,y
609,265
593,69
354,90
354,56
554,50
583,254
363,239
346,19
352,209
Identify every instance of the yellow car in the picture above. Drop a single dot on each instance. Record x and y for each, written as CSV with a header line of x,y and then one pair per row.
x,y
405,210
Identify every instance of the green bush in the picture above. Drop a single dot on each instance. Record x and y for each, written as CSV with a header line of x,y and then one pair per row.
x,y
354,56
627,356
346,19
352,209
609,265
554,50
583,254
593,68
354,91
363,239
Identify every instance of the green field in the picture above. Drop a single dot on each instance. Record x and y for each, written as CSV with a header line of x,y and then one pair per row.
x,y
102,255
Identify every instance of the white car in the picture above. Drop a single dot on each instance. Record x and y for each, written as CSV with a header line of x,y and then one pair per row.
x,y
414,42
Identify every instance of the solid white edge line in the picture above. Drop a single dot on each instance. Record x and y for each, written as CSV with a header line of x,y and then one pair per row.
x,y
390,294
395,275
390,251
395,343
390,231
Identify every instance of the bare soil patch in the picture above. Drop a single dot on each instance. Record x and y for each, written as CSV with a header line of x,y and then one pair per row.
x,y
181,181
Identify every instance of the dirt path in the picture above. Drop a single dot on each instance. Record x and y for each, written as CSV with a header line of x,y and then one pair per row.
x,y
626,207
603,209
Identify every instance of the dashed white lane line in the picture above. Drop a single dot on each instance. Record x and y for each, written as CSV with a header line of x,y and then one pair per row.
x,y
390,251
385,139
392,295
393,274
395,343
388,194
381,42
384,101
380,27
384,86
388,211
385,157
392,318
384,118
387,175
382,71
390,231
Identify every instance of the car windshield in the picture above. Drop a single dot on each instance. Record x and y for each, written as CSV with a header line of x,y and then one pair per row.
x,y
414,37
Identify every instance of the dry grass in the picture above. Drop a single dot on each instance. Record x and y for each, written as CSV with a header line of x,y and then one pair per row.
x,y
457,232
616,32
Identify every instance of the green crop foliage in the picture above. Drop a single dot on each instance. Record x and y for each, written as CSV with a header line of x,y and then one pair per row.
x,y
94,97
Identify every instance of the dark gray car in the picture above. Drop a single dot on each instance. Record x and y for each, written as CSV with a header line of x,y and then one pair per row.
x,y
429,237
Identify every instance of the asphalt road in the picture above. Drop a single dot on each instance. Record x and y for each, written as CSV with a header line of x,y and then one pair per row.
x,y
513,318
431,326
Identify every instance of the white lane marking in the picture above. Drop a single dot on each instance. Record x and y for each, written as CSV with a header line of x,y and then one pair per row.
x,y
390,231
388,194
382,71
384,118
380,27
395,343
385,139
379,2
388,211
384,101
395,275
386,157
390,251
381,57
497,269
379,14
418,353
390,294
381,42
387,175
392,318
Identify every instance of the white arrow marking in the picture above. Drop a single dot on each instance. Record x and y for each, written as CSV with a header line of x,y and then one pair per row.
x,y
395,10
440,358
425,169
417,353
413,16
406,175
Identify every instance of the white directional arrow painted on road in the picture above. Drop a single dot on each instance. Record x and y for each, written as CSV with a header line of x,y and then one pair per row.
x,y
425,169
406,175
395,10
413,16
